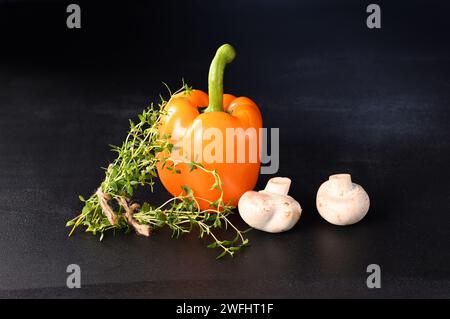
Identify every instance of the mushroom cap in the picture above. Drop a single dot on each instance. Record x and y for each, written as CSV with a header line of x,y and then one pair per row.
x,y
341,202
268,211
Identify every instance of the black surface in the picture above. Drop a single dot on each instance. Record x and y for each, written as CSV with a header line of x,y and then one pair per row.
x,y
374,103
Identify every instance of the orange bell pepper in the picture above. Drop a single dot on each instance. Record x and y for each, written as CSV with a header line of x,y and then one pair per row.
x,y
186,122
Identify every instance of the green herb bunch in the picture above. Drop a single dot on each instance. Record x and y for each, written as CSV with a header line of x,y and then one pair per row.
x,y
111,207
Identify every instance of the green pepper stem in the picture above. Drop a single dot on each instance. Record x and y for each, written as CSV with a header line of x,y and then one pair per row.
x,y
224,55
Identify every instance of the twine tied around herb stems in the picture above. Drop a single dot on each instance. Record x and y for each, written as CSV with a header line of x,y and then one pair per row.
x,y
141,229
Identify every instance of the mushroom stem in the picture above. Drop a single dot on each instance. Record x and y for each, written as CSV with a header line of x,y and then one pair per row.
x,y
341,183
278,185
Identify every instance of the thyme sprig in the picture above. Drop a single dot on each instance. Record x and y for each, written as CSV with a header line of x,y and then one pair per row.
x,y
135,166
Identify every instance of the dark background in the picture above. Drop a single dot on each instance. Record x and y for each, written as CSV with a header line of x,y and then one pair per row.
x,y
374,103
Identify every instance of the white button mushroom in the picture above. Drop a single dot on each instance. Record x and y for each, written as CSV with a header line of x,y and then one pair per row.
x,y
341,202
271,209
